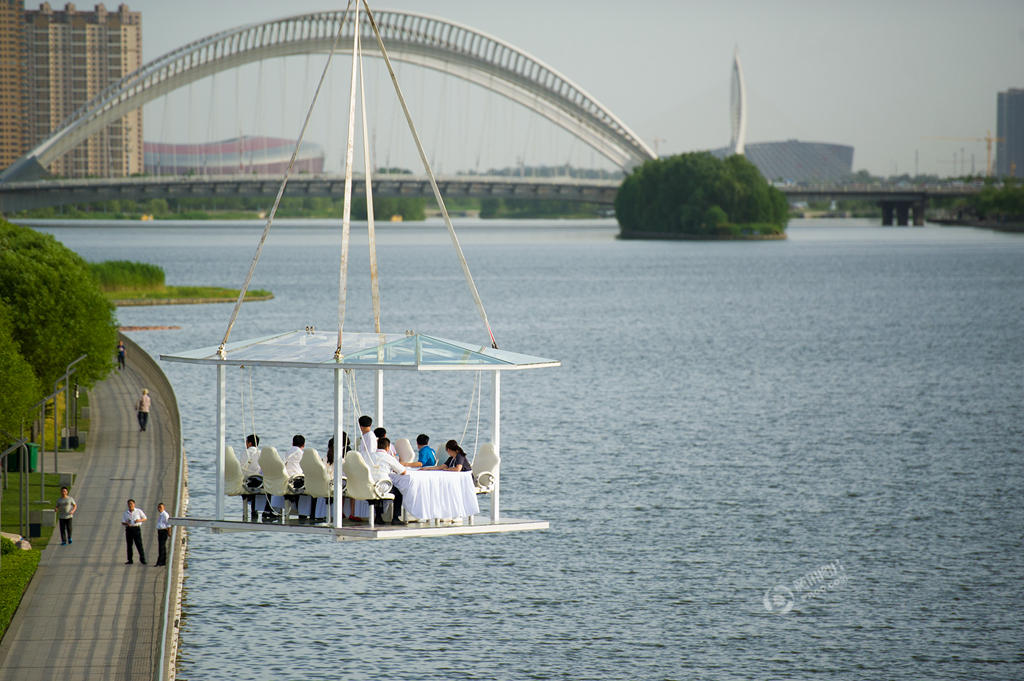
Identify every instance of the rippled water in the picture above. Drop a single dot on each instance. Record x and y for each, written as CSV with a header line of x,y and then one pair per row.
x,y
828,426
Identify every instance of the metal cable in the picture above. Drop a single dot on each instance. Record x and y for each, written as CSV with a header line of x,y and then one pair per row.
x,y
433,181
346,211
280,192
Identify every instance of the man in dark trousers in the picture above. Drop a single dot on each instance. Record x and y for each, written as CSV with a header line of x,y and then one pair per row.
x,y
163,533
132,521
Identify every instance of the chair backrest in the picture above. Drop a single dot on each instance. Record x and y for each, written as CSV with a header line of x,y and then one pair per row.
x,y
359,483
315,472
406,453
232,472
486,460
275,480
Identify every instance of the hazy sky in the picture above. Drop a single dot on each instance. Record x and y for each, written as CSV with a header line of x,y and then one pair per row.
x,y
875,75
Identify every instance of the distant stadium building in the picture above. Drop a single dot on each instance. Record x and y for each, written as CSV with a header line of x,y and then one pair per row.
x,y
793,161
242,155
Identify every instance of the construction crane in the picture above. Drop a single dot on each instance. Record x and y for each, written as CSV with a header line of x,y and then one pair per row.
x,y
988,139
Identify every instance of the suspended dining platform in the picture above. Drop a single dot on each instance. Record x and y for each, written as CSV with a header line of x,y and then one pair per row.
x,y
312,350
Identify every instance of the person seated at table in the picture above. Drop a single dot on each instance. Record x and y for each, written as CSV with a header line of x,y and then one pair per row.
x,y
427,457
250,467
293,467
384,464
456,461
381,431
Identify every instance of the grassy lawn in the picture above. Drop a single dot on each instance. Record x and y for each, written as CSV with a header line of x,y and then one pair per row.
x,y
186,292
17,567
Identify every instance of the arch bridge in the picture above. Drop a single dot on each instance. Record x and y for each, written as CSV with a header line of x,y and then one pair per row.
x,y
418,39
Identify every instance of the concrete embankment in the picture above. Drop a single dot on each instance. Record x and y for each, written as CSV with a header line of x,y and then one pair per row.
x,y
86,615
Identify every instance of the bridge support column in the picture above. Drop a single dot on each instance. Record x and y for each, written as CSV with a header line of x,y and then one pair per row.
x,y
918,210
902,214
887,212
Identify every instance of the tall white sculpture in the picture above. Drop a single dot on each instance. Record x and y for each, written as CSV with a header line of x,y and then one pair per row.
x,y
737,107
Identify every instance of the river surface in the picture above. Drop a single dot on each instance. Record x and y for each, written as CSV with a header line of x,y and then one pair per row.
x,y
797,459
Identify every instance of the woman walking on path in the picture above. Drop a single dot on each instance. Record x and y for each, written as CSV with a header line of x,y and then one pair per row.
x,y
143,409
65,508
120,355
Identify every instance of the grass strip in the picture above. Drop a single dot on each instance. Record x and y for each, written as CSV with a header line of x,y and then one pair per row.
x,y
16,570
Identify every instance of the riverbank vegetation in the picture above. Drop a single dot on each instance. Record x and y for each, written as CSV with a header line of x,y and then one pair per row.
x,y
229,208
51,312
698,196
409,209
134,283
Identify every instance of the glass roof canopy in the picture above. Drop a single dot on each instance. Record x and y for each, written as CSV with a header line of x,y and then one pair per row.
x,y
385,351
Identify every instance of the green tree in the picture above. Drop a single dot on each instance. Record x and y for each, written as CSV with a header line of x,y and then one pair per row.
x,y
19,389
60,312
701,196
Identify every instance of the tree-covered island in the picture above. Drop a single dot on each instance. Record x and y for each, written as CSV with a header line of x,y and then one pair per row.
x,y
698,196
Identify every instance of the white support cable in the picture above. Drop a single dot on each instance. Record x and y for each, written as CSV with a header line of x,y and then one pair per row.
x,y
433,181
280,192
372,236
346,211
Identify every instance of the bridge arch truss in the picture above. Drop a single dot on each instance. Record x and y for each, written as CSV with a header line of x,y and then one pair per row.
x,y
418,39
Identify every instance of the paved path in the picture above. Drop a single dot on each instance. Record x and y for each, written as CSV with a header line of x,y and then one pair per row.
x,y
87,615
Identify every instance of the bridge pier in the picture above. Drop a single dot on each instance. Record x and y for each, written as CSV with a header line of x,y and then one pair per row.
x,y
900,211
887,212
918,208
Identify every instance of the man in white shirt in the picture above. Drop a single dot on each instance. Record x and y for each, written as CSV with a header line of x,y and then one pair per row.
x,y
163,533
382,463
293,459
293,467
132,521
367,440
250,467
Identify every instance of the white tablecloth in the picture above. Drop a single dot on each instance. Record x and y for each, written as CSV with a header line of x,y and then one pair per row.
x,y
427,495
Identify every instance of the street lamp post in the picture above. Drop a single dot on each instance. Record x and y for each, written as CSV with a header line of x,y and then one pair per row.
x,y
56,440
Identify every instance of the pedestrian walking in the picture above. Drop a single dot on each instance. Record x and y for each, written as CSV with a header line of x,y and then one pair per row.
x,y
132,521
120,354
65,509
143,409
163,533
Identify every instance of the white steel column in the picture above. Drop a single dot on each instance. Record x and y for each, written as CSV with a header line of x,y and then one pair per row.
x,y
339,447
496,441
379,419
221,371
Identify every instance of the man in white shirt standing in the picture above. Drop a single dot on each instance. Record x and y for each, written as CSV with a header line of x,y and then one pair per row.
x,y
132,521
367,440
163,533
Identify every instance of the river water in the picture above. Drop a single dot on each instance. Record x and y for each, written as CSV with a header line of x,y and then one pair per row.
x,y
797,459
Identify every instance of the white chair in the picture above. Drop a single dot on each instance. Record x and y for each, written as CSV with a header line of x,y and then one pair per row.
x,y
318,483
275,480
361,485
232,473
406,453
485,465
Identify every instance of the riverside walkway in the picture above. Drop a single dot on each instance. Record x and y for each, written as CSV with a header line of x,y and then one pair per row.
x,y
86,615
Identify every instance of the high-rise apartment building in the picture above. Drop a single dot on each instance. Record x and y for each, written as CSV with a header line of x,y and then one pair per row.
x,y
71,56
1010,130
13,125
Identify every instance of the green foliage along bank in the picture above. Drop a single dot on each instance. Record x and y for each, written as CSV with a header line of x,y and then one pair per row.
x,y
137,283
51,312
697,196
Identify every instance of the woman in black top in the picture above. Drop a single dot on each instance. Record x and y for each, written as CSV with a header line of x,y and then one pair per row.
x,y
457,460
